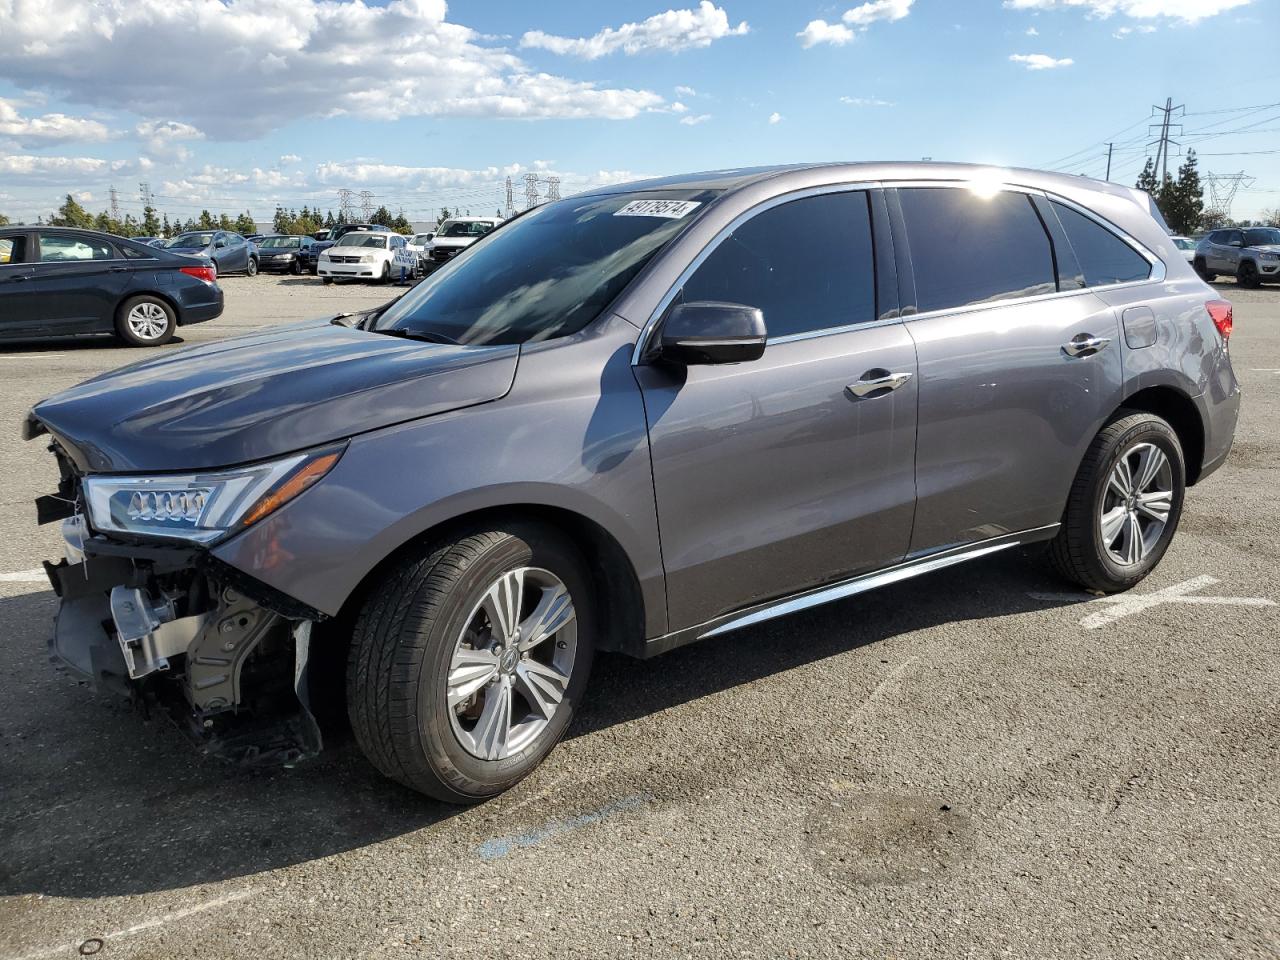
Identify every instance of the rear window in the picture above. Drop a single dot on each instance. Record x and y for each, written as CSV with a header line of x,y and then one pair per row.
x,y
1103,256
61,249
969,247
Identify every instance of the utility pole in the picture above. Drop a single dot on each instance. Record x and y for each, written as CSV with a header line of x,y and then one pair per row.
x,y
115,204
1163,142
530,191
344,206
509,210
553,188
145,194
1110,147
366,204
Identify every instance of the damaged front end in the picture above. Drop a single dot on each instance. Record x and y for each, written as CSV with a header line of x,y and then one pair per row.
x,y
172,626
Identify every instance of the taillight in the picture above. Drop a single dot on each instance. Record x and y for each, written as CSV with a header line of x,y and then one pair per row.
x,y
207,274
1220,312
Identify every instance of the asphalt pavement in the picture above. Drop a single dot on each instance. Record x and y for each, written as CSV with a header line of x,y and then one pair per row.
x,y
978,763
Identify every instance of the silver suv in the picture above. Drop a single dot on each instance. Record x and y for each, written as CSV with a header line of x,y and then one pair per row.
x,y
1250,254
626,421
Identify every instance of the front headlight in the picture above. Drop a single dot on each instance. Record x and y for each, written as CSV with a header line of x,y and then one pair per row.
x,y
202,507
366,258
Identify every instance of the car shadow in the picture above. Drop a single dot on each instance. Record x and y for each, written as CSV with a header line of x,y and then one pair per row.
x,y
102,802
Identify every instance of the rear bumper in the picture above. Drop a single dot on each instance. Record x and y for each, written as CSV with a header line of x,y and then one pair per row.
x,y
1219,415
197,306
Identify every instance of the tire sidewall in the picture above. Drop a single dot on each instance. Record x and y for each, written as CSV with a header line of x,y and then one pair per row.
x,y
470,777
251,268
125,332
1149,430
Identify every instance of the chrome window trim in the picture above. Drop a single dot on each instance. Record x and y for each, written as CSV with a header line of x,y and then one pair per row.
x,y
646,332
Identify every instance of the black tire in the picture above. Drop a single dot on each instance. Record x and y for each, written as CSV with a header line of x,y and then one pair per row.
x,y
327,280
251,268
1077,552
1203,271
131,330
403,644
1247,275
295,267
386,273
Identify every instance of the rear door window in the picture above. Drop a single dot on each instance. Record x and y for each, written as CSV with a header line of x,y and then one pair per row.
x,y
1104,257
55,248
969,248
808,265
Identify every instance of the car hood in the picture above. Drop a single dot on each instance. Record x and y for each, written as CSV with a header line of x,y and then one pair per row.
x,y
453,241
1266,247
190,251
265,395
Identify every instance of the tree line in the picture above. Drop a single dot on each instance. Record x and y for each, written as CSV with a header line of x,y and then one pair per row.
x,y
1181,200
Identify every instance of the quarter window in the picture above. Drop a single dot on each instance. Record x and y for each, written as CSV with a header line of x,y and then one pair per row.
x,y
56,249
12,249
971,248
807,264
1103,256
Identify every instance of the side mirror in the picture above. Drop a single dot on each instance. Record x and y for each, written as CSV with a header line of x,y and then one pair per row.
x,y
712,332
220,243
1236,243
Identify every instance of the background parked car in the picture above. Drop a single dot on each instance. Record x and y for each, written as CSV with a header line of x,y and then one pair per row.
x,y
1187,246
58,282
337,233
456,234
230,252
283,253
363,255
1250,254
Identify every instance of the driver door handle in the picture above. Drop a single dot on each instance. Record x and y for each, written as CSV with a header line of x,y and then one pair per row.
x,y
877,383
1085,345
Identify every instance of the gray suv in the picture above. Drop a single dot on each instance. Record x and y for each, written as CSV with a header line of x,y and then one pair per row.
x,y
626,421
1250,254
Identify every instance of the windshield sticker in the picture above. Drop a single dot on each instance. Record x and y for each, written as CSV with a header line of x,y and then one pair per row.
x,y
669,209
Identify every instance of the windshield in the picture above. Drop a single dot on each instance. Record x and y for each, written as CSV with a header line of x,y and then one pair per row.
x,y
458,228
362,240
419,238
280,242
191,240
1261,237
1182,243
547,274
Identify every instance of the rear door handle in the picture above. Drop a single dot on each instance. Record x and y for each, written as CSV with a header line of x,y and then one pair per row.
x,y
877,383
1085,345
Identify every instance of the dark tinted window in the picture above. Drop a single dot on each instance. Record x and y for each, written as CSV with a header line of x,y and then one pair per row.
x,y
1103,256
12,249
807,264
971,248
1261,236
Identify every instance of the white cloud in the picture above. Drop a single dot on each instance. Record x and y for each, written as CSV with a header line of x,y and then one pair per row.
x,y
288,158
672,31
1032,32
281,59
819,31
686,92
855,20
50,128
863,15
1040,61
775,118
35,169
693,120
164,138
866,102
678,107
1123,32
1188,11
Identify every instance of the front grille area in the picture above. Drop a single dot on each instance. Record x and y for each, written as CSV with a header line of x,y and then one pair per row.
x,y
333,259
442,253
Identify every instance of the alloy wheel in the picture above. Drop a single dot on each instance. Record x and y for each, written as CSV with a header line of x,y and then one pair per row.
x,y
1136,504
512,663
147,321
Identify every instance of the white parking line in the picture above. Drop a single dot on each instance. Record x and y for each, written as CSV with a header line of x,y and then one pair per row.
x,y
26,576
1126,604
31,356
890,683
498,847
72,947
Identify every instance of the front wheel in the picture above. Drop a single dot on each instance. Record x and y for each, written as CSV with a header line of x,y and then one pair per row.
x,y
1247,275
1124,505
386,273
326,280
145,321
468,661
295,267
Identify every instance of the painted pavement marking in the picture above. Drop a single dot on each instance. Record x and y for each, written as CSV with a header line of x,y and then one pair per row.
x,y
1127,604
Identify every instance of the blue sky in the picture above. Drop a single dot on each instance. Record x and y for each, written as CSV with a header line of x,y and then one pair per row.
x,y
235,104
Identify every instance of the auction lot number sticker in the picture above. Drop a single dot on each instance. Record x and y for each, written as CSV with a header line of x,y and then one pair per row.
x,y
670,209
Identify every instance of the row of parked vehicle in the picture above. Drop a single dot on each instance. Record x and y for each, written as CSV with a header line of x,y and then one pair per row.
x,y
1250,254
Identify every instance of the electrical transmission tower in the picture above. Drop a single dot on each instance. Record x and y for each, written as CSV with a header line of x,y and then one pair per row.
x,y
366,204
509,210
345,207
115,203
531,199
553,188
1163,142
145,195
1222,190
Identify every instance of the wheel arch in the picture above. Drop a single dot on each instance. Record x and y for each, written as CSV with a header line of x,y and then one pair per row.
x,y
148,292
1178,410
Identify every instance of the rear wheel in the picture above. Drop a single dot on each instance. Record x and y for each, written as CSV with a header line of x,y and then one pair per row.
x,y
1247,275
1203,270
327,280
251,268
295,267
145,321
468,661
1124,505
